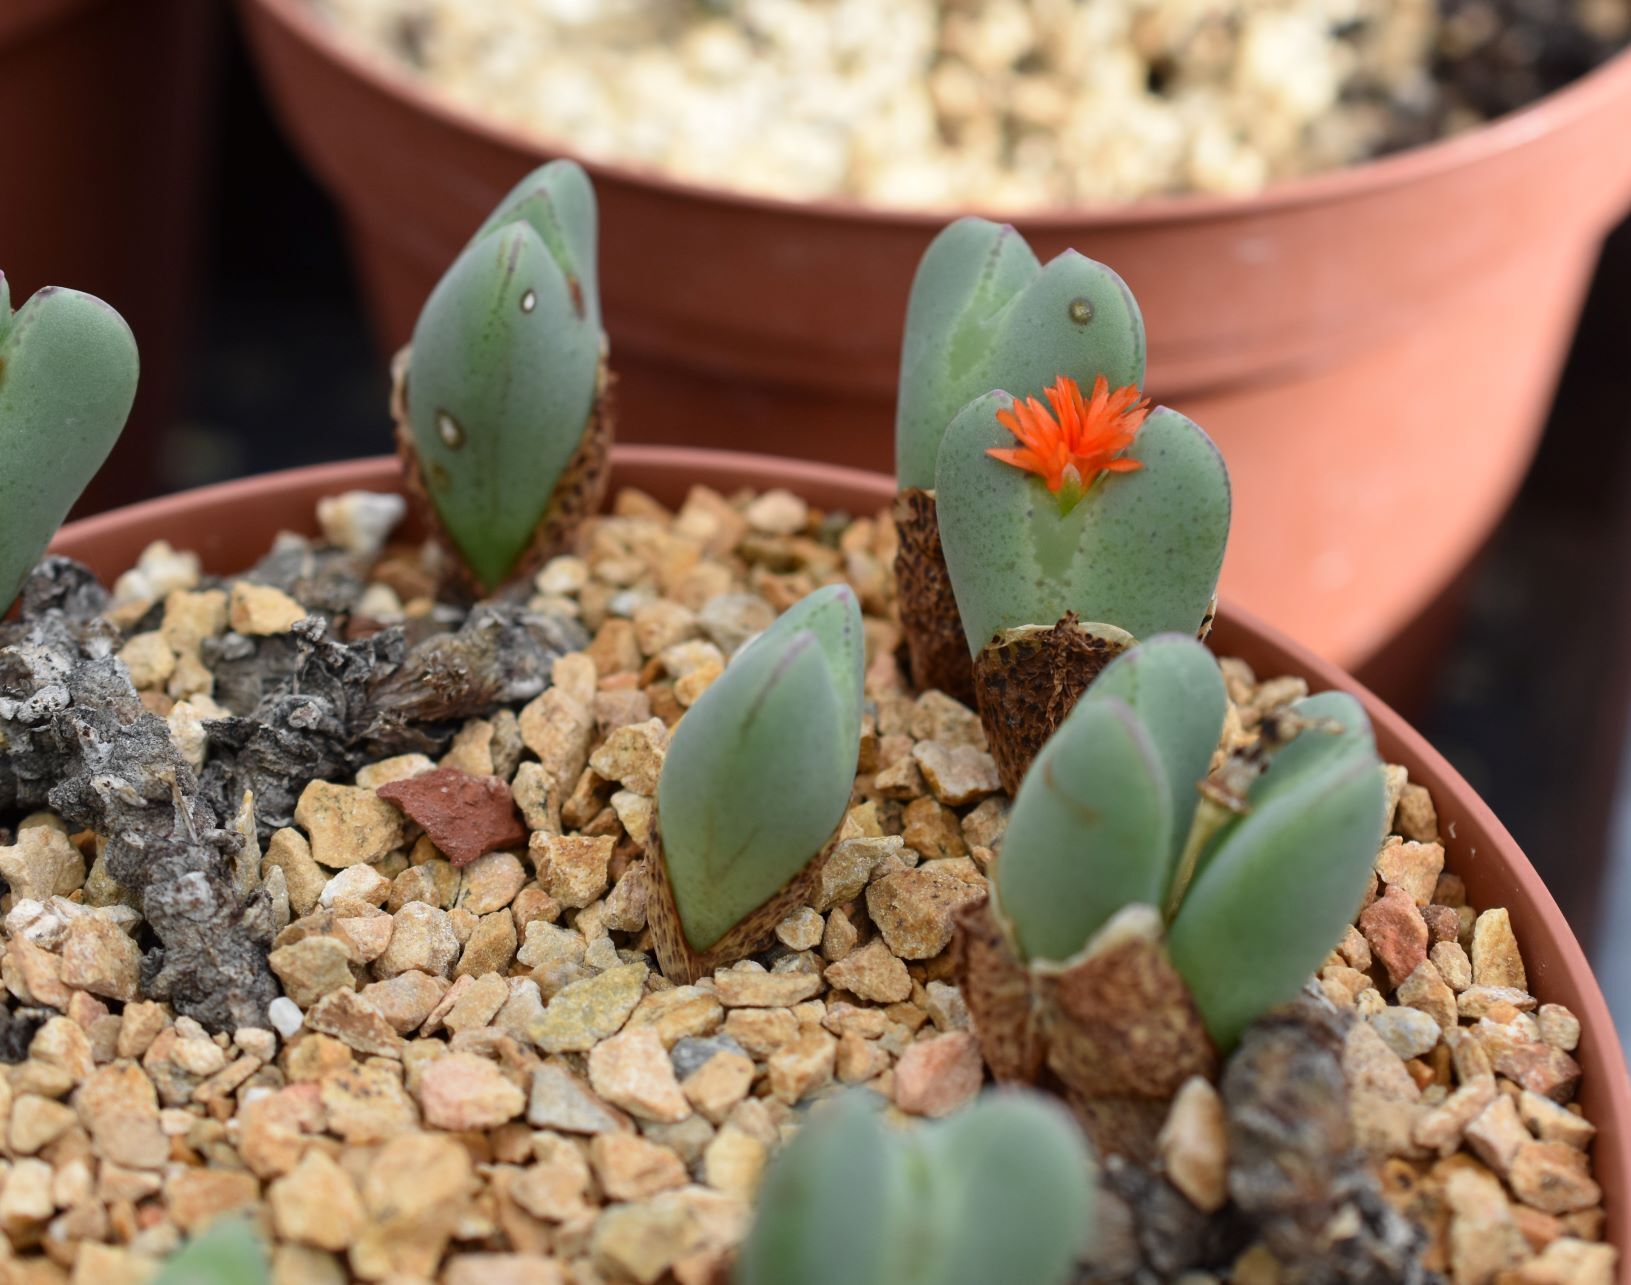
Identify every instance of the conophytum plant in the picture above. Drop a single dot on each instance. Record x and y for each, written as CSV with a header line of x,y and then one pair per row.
x,y
1218,892
500,399
1070,530
68,371
1001,1191
985,313
226,1253
755,783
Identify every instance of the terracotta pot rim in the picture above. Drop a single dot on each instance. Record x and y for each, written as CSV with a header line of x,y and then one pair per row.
x,y
1485,142
1485,845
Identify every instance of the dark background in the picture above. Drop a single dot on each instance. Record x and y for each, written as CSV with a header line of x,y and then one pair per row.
x,y
1532,697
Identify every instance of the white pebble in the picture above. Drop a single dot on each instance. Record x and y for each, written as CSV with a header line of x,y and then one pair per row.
x,y
360,521
285,1016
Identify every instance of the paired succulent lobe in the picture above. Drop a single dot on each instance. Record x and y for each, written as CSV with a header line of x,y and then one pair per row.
x,y
1106,815
226,1253
759,771
1288,876
984,313
1001,1191
1102,815
68,374
506,369
1141,551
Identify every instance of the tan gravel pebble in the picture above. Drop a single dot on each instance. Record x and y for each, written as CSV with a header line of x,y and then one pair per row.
x,y
1453,965
101,957
630,1168
1413,867
631,1070
802,1065
1193,1145
422,940
937,1075
571,868
734,1162
589,1010
316,1204
462,1091
1496,1134
261,610
557,727
1558,1027
801,930
1495,958
1425,989
42,864
347,825
957,774
745,988
561,1100
913,909
872,973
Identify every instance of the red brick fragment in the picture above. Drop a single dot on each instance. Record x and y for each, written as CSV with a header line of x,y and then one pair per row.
x,y
465,816
1396,932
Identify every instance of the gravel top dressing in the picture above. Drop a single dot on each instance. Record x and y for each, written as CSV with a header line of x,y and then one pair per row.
x,y
377,968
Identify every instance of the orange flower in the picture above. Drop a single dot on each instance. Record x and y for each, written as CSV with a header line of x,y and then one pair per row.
x,y
1080,440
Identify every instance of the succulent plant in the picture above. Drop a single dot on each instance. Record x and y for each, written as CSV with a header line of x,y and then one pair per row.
x,y
1209,896
1002,1191
755,782
226,1253
1104,524
984,313
68,370
500,399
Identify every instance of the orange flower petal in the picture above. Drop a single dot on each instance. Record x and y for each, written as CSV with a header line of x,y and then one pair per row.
x,y
1080,439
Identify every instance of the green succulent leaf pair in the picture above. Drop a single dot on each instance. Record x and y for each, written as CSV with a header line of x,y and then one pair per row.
x,y
68,370
1142,551
1002,1191
1107,818
227,1253
985,313
506,368
759,771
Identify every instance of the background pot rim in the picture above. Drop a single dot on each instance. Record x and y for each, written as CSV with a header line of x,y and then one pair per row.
x,y
1556,963
1492,139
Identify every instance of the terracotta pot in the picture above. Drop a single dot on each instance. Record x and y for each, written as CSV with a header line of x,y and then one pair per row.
x,y
107,101
232,524
1374,348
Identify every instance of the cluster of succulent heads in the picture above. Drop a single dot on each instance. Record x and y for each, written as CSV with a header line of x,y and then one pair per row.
x,y
1060,547
1061,544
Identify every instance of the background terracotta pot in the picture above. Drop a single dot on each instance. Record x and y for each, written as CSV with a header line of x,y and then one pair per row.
x,y
106,104
1374,348
232,525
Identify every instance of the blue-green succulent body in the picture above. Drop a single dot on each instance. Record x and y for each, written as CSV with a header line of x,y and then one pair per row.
x,y
1002,1191
506,369
68,372
1108,817
760,769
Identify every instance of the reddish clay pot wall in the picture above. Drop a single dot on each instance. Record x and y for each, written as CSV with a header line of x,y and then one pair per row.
x,y
231,526
1374,349
107,105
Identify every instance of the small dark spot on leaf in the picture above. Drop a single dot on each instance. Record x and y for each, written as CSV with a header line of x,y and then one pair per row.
x,y
1081,310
